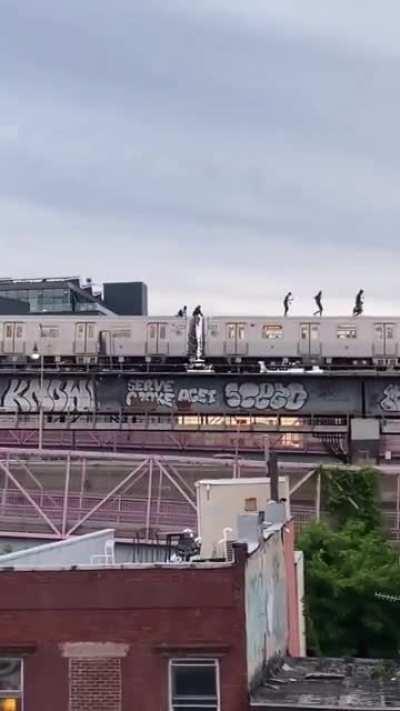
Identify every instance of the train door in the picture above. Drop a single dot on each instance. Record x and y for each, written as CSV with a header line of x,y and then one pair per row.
x,y
236,343
157,338
13,337
310,344
105,343
85,338
384,340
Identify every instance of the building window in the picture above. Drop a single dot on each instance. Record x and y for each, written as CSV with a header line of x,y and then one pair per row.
x,y
272,332
343,332
194,685
10,684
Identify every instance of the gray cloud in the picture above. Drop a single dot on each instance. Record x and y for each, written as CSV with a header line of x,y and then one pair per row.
x,y
223,153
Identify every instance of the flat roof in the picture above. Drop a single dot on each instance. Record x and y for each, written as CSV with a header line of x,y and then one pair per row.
x,y
326,683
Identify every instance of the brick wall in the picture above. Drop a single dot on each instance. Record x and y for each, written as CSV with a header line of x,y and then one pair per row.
x,y
94,684
138,619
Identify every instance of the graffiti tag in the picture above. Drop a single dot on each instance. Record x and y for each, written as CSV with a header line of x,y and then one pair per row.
x,y
57,395
164,394
266,396
391,400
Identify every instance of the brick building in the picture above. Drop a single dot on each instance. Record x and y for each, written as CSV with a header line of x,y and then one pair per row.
x,y
80,633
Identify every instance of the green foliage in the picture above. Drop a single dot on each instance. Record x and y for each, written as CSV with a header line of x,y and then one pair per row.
x,y
352,494
347,562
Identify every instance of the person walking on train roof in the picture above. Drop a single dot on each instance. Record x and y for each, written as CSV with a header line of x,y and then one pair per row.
x,y
317,299
182,313
359,304
286,303
197,311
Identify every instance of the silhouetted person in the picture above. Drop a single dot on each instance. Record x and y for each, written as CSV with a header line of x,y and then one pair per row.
x,y
317,299
197,311
184,312
180,313
359,304
286,303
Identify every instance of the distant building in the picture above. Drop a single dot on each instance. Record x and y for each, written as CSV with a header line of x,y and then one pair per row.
x,y
67,295
126,298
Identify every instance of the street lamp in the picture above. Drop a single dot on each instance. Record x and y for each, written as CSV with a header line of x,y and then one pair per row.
x,y
35,356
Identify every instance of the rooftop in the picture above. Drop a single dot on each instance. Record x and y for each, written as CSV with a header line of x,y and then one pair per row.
x,y
328,683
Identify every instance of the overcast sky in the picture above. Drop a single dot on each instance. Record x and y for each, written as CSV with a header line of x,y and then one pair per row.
x,y
222,151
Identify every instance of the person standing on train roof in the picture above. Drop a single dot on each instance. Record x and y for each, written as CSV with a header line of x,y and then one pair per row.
x,y
359,304
197,311
317,299
286,303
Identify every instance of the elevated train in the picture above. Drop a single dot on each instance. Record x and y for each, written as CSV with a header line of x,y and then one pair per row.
x,y
225,342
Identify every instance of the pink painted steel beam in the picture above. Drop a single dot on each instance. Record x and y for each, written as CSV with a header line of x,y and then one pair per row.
x,y
111,493
29,498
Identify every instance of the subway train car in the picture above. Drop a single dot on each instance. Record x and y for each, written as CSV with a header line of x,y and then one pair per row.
x,y
221,342
328,342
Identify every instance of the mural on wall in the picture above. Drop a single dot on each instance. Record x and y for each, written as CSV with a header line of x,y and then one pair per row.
x,y
266,396
164,393
62,395
266,605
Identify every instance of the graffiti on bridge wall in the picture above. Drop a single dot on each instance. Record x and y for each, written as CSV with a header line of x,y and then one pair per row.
x,y
390,401
266,396
236,396
62,395
164,393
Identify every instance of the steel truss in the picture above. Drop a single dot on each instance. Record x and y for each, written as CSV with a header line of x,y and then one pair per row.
x,y
55,494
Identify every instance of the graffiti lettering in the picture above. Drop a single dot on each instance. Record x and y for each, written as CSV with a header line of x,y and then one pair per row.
x,y
391,401
164,394
160,392
57,395
202,396
266,396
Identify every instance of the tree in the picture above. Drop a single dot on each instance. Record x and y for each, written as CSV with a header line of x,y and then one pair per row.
x,y
348,560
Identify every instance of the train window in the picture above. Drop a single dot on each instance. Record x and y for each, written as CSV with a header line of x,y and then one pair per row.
x,y
19,332
304,332
314,333
389,332
272,331
152,330
122,333
163,332
90,331
231,331
240,332
50,331
9,331
343,332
